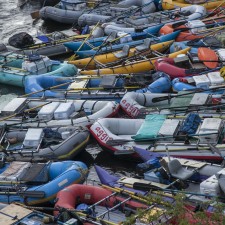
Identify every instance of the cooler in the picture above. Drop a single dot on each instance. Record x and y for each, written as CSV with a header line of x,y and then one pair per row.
x,y
221,53
210,186
47,111
33,137
64,110
14,106
199,99
125,37
40,66
196,25
209,126
169,127
215,78
202,81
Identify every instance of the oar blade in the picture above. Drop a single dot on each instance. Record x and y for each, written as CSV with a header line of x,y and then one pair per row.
x,y
206,55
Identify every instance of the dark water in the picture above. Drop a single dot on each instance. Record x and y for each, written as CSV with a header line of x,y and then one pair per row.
x,y
14,19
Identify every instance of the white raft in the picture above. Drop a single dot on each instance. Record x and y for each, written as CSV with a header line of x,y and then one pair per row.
x,y
115,136
56,113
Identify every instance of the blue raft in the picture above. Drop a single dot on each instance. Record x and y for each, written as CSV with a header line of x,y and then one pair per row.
x,y
34,183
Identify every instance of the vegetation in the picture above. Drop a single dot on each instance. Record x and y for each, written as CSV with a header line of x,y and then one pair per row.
x,y
179,212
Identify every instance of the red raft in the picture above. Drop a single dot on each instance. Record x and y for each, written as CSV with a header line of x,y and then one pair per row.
x,y
99,204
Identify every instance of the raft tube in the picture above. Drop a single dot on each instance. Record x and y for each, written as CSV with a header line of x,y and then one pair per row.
x,y
60,15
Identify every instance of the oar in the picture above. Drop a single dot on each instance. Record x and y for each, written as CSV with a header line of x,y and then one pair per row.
x,y
84,41
102,88
163,98
147,187
99,48
46,89
123,141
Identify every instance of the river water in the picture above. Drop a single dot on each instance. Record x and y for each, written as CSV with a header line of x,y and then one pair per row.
x,y
14,19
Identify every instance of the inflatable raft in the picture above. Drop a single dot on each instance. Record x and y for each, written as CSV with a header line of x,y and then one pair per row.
x,y
43,144
36,183
56,113
146,48
131,67
15,68
118,136
106,204
120,46
171,4
137,105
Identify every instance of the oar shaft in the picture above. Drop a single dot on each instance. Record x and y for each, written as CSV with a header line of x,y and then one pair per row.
x,y
50,88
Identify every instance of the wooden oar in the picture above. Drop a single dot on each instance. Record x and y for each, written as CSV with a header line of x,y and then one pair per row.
x,y
84,41
102,88
46,89
99,48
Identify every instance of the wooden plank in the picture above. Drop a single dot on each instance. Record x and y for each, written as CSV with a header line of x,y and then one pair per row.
x,y
131,181
188,162
13,211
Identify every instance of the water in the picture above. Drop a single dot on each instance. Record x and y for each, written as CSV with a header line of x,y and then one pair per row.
x,y
14,19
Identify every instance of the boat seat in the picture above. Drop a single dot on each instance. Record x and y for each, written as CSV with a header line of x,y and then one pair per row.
x,y
124,53
108,81
145,46
112,36
177,171
36,173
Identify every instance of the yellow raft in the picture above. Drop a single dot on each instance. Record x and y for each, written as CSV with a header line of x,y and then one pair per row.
x,y
170,4
91,63
132,67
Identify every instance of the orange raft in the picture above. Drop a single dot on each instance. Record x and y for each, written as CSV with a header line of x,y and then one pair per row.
x,y
190,33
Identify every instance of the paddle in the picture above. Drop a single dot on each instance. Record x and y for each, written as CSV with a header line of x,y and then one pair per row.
x,y
84,41
123,141
147,187
99,48
208,57
163,98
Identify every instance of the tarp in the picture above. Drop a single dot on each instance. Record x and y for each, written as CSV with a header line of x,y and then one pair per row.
x,y
150,127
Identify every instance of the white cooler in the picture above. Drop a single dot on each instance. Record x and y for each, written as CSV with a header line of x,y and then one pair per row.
x,y
33,137
215,78
64,110
211,185
210,125
202,81
47,111
196,25
221,53
169,127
